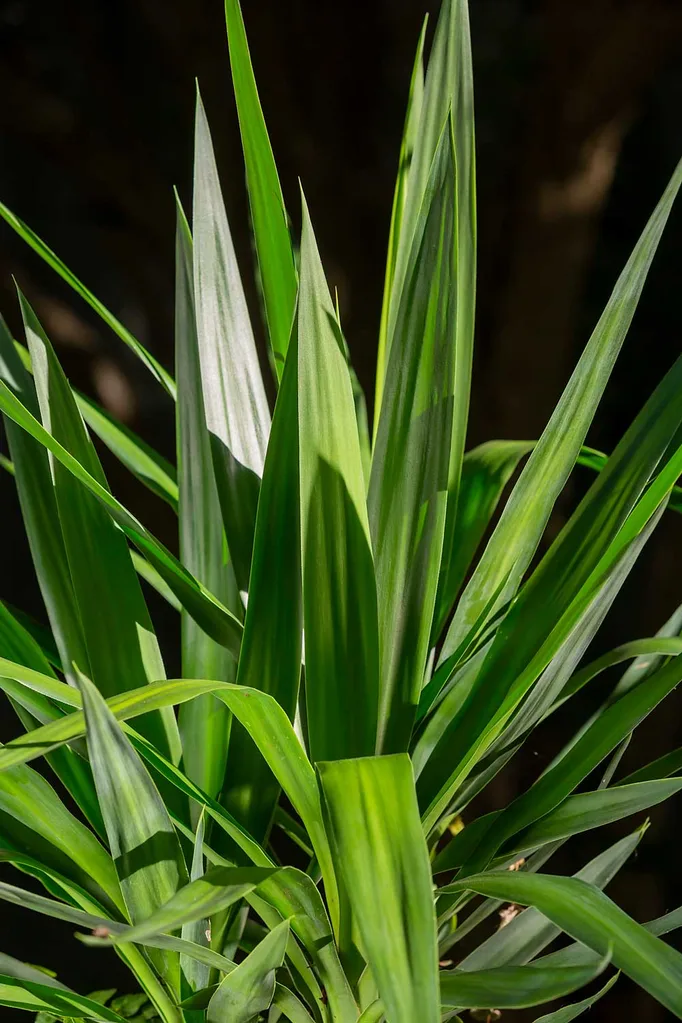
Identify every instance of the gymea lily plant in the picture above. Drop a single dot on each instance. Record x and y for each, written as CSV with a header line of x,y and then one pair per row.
x,y
285,833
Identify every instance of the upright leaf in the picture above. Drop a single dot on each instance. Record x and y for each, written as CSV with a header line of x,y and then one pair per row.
x,y
518,533
121,644
268,215
376,835
339,590
613,513
141,835
412,115
205,721
39,512
270,657
235,405
416,440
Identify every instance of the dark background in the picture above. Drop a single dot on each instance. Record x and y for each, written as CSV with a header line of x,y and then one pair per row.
x,y
578,130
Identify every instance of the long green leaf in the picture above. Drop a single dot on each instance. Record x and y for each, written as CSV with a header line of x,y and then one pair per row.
x,y
121,644
204,722
141,835
215,890
513,987
206,609
570,1012
525,516
375,832
486,470
339,592
235,405
39,512
151,468
250,988
416,445
613,513
35,997
587,915
39,246
412,115
268,215
530,932
270,657
607,730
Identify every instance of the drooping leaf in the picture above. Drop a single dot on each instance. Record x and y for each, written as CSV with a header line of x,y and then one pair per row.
x,y
204,722
587,915
376,835
414,462
37,997
250,988
39,246
268,215
235,405
530,932
570,1012
514,987
339,592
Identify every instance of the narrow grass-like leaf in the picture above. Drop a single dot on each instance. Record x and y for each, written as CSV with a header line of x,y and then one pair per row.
x,y
206,609
412,115
215,890
141,835
34,818
514,987
416,439
39,246
608,518
570,1012
204,722
375,832
268,215
136,455
339,591
525,516
530,932
486,470
39,512
250,988
196,975
270,657
607,730
585,913
35,997
121,644
236,409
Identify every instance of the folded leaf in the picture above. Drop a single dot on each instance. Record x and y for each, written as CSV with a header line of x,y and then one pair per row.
x,y
590,917
235,405
514,987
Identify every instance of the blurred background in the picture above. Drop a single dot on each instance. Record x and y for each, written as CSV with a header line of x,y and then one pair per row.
x,y
578,130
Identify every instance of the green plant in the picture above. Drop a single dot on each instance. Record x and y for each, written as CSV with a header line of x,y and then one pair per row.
x,y
295,842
